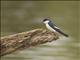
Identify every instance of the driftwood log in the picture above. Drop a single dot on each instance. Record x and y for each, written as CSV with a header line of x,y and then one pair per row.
x,y
23,40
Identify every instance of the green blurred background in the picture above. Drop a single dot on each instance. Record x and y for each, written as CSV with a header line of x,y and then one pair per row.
x,y
20,16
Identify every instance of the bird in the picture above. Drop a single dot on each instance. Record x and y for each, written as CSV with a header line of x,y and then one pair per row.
x,y
52,27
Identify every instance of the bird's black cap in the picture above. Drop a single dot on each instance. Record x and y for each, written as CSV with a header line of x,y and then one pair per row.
x,y
45,19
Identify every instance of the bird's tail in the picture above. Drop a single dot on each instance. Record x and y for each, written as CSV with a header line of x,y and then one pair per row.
x,y
59,31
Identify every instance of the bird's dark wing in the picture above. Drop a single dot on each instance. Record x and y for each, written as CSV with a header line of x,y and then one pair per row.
x,y
56,28
51,24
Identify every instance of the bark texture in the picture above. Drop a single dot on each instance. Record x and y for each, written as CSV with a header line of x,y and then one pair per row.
x,y
11,43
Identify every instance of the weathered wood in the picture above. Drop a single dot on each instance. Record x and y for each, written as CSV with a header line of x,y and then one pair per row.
x,y
24,40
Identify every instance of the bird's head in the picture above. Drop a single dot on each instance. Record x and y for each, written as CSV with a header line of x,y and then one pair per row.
x,y
46,20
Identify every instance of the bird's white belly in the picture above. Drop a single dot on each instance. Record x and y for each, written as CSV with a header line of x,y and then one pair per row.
x,y
51,29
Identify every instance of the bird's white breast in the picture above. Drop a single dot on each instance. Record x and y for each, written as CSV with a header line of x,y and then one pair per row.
x,y
50,28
